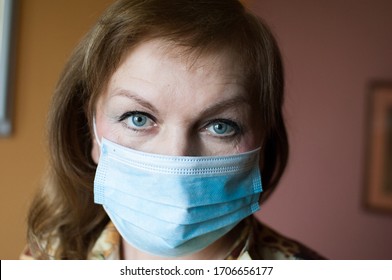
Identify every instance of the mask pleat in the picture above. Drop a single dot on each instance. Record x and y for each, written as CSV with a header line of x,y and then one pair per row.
x,y
171,206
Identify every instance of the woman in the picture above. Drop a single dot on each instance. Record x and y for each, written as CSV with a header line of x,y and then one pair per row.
x,y
162,122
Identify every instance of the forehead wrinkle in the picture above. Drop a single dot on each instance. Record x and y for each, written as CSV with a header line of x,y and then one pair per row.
x,y
198,58
134,97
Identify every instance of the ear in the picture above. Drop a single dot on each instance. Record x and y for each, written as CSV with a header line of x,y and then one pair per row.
x,y
95,151
95,147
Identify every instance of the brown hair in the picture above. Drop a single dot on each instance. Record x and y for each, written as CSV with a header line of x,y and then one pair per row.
x,y
63,215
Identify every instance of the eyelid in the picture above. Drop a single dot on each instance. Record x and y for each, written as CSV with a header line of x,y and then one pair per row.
x,y
234,125
132,113
128,115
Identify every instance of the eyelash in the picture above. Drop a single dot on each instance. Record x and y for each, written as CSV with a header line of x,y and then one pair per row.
x,y
126,115
238,129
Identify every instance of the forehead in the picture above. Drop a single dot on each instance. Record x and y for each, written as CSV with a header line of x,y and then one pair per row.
x,y
161,65
159,52
168,75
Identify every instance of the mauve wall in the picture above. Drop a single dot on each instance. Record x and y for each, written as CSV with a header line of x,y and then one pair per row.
x,y
332,50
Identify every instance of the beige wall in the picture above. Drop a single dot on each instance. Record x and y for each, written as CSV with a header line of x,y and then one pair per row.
x,y
47,32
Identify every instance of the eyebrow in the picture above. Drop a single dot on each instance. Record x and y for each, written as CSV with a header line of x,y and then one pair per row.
x,y
129,94
218,107
223,105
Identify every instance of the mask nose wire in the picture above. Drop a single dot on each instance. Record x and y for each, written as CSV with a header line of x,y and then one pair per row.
x,y
95,132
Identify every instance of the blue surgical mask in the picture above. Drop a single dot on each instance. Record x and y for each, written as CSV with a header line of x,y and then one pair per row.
x,y
175,205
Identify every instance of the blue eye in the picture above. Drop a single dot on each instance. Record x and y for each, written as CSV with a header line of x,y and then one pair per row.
x,y
137,120
222,128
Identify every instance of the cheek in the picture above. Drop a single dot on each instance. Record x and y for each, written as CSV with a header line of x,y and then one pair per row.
x,y
101,131
105,128
250,141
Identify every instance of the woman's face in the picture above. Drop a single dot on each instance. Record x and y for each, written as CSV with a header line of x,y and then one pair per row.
x,y
161,101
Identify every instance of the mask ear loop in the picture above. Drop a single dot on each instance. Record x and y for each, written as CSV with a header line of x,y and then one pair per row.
x,y
95,132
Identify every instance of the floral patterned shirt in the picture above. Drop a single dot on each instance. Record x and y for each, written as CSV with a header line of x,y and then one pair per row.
x,y
255,242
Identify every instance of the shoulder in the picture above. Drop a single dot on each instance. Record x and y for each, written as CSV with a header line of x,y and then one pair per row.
x,y
266,243
107,246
